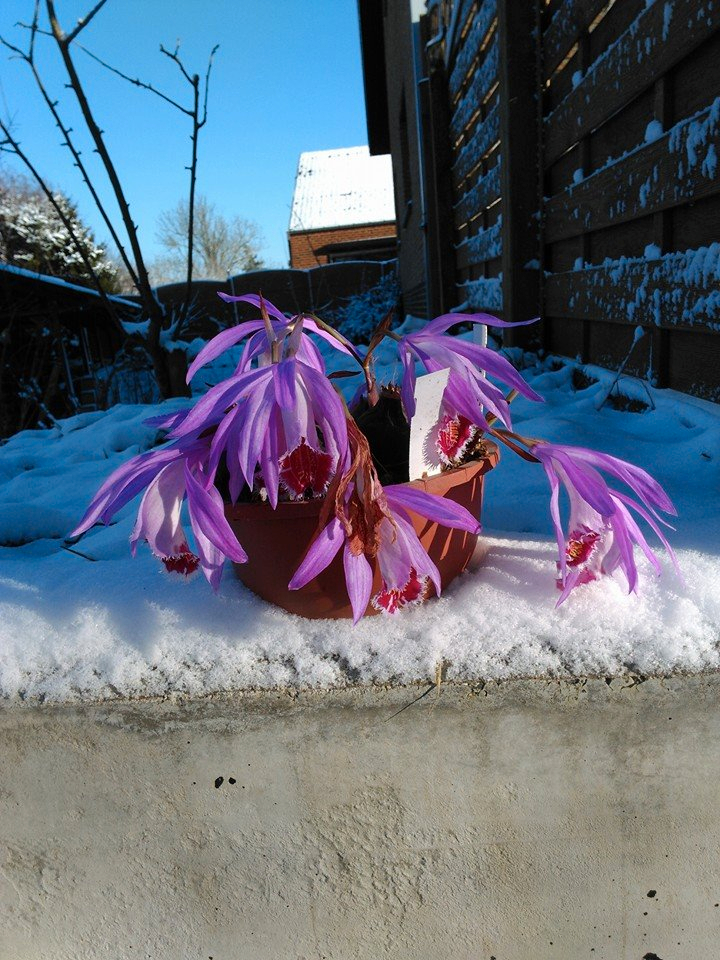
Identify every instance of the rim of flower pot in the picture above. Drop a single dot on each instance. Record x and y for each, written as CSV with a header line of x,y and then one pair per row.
x,y
271,538
302,508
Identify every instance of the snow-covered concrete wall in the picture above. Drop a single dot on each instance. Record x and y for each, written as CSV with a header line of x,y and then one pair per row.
x,y
544,819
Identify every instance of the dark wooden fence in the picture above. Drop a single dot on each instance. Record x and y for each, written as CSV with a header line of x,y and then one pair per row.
x,y
316,290
585,137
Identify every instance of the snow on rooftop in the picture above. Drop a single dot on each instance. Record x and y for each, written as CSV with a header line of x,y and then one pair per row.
x,y
341,188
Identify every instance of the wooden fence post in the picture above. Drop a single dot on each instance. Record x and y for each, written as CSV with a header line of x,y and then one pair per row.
x,y
518,37
438,189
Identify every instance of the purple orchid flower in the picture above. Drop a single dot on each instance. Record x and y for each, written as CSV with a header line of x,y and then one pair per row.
x,y
467,389
260,342
170,475
286,413
405,565
601,528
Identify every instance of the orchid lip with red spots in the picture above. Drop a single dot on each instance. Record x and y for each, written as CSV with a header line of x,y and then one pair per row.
x,y
184,561
390,600
580,546
455,434
305,470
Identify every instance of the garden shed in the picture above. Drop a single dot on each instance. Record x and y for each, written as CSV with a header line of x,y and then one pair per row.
x,y
54,336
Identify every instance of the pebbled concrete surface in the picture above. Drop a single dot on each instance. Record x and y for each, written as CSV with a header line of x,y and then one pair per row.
x,y
515,820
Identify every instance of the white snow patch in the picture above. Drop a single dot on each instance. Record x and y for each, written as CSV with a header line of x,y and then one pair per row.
x,y
667,17
709,164
73,627
653,131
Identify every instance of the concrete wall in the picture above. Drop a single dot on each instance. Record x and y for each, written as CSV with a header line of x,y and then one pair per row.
x,y
512,821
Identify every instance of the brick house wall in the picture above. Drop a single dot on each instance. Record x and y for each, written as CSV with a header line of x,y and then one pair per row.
x,y
312,248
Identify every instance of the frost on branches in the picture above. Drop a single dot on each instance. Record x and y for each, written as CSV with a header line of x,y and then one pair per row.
x,y
32,236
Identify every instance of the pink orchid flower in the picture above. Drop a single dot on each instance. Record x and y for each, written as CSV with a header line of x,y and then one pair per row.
x,y
467,389
601,528
264,418
171,475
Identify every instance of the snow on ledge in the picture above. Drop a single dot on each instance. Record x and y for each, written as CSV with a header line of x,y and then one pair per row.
x,y
76,628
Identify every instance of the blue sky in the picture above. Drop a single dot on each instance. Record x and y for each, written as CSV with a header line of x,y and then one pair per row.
x,y
286,78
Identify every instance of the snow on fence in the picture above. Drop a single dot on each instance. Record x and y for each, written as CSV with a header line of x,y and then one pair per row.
x,y
584,139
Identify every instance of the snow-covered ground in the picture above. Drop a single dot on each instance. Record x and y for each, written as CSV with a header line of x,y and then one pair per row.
x,y
90,621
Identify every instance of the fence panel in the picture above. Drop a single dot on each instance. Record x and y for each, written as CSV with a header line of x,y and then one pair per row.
x,y
661,36
631,197
595,124
679,167
472,54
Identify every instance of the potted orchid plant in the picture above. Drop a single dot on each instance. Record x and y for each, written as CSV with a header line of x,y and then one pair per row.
x,y
276,440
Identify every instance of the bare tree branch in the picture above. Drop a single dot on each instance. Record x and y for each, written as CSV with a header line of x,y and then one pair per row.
x,y
207,82
84,21
175,56
198,124
153,308
17,150
135,81
132,257
38,30
33,32
29,58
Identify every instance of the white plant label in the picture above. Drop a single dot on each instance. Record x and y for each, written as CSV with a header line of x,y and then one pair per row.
x,y
480,334
424,459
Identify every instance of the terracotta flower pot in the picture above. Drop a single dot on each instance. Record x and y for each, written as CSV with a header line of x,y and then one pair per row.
x,y
277,540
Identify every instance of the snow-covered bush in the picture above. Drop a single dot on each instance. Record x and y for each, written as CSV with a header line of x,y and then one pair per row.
x,y
359,316
33,236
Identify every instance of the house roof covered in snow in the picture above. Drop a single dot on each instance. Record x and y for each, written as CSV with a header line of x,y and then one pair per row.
x,y
342,188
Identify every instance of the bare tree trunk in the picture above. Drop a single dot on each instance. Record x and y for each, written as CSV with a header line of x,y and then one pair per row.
x,y
170,366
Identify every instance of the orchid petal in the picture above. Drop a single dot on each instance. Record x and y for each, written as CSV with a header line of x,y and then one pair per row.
x,y
328,337
400,552
639,481
322,552
221,342
207,516
158,519
257,416
168,420
555,514
407,390
654,527
255,300
124,484
212,407
284,379
359,580
496,366
270,457
441,510
442,324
